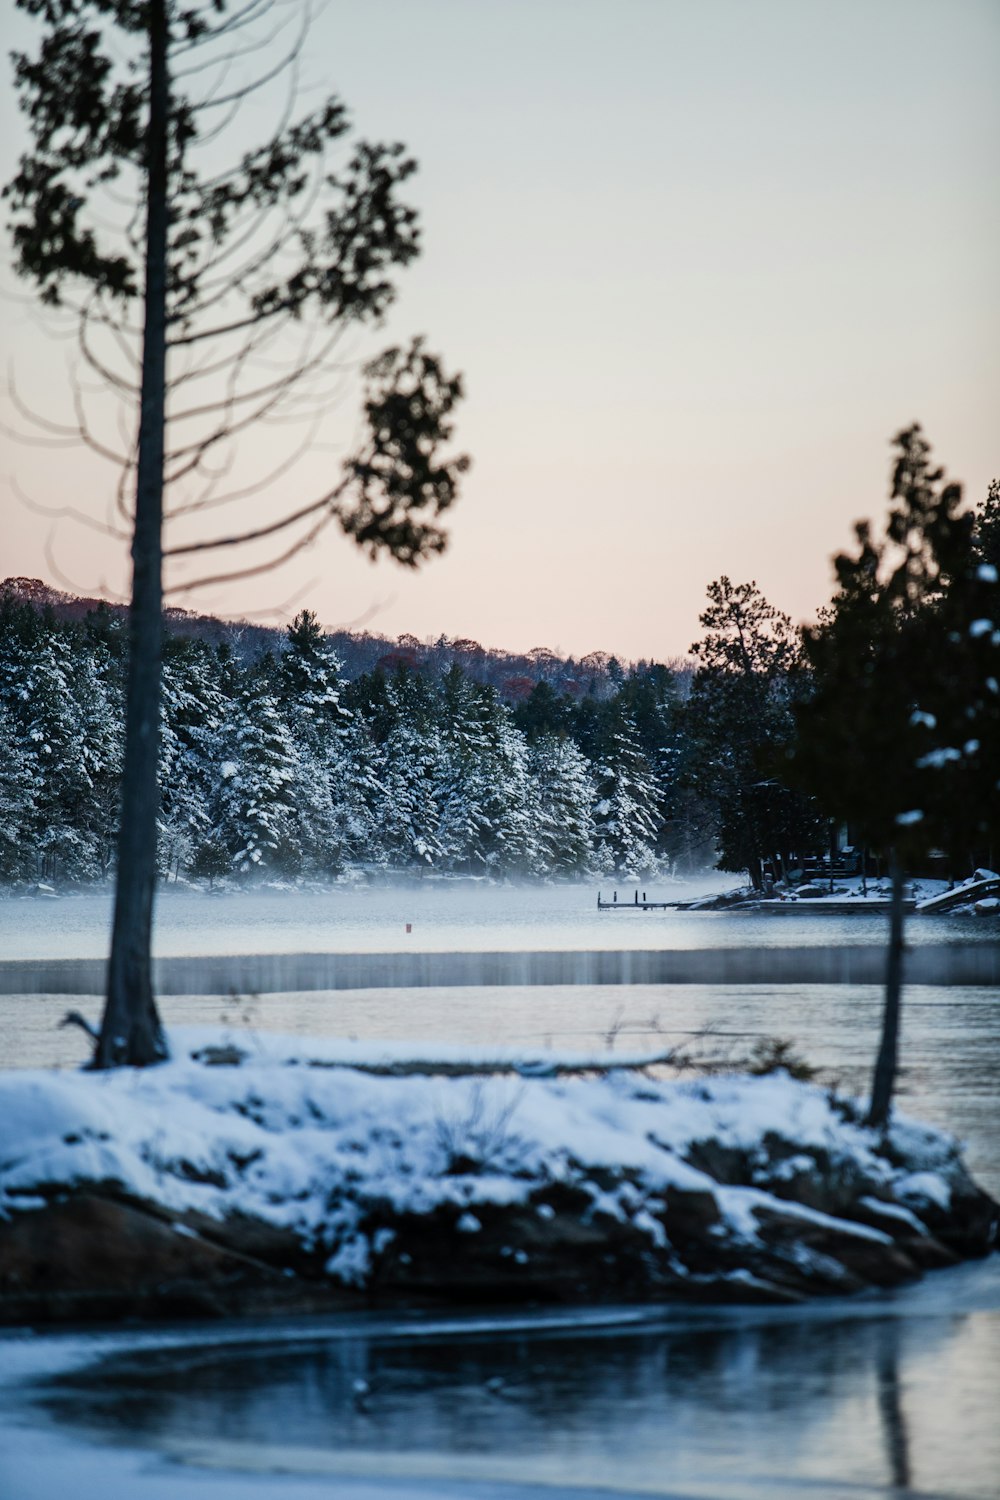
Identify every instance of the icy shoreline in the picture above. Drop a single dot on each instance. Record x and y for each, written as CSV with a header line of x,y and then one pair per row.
x,y
297,1174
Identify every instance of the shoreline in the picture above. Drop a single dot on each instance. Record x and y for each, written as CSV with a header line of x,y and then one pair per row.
x,y
297,1177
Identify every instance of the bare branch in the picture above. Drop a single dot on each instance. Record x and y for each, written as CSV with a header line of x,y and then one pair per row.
x,y
210,501
73,585
240,538
302,369
244,93
86,435
255,571
119,383
59,430
237,21
62,512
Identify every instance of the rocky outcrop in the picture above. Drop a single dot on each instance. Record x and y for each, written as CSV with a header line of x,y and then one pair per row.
x,y
284,1184
92,1257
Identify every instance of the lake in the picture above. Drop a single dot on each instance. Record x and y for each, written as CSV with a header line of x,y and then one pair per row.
x,y
885,1395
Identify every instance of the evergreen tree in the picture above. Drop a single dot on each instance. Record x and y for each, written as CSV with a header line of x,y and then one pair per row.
x,y
253,808
543,712
194,709
39,691
97,714
626,805
565,829
20,784
986,537
309,678
739,720
308,684
486,794
875,655
413,776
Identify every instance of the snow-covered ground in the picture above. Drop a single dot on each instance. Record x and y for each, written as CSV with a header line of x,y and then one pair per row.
x,y
303,1136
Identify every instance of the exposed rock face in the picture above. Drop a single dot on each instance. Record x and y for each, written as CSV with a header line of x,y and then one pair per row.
x,y
91,1258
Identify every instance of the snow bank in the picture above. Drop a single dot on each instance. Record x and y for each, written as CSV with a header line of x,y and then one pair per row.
x,y
297,1137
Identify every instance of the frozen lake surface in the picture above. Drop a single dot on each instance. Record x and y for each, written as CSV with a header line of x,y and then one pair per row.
x,y
443,916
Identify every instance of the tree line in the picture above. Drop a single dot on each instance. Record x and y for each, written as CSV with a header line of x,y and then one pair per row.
x,y
277,762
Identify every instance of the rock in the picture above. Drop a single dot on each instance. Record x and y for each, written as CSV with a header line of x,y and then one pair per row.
x,y
968,1226
516,1254
87,1258
815,1220
690,1217
861,1258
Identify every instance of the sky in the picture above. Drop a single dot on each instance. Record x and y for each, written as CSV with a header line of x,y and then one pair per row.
x,y
698,263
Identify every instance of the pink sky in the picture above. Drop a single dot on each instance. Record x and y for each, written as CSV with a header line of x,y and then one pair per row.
x,y
698,264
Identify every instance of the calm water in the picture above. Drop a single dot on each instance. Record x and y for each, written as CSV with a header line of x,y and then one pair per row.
x,y
895,1395
888,1395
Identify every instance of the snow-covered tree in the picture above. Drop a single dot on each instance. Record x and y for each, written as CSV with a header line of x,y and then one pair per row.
x,y
194,707
40,692
565,829
19,788
625,806
99,720
413,759
253,806
487,797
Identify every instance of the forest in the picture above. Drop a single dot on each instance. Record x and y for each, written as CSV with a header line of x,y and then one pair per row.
x,y
294,754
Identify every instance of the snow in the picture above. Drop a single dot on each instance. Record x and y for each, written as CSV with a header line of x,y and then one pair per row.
x,y
300,1137
924,1187
936,759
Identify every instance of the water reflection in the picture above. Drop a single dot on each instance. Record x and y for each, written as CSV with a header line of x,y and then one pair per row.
x,y
890,1406
860,1398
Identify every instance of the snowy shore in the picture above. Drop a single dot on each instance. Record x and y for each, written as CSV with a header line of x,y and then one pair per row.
x,y
288,1174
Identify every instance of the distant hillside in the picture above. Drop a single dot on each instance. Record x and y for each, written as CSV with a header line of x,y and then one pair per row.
x,y
512,674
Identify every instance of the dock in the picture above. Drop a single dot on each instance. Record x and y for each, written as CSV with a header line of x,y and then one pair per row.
x,y
635,904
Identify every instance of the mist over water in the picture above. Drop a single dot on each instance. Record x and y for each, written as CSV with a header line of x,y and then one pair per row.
x,y
444,915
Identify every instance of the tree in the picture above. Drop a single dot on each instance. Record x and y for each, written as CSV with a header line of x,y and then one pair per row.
x,y
223,268
875,655
254,802
739,723
19,789
987,527
626,806
193,711
565,801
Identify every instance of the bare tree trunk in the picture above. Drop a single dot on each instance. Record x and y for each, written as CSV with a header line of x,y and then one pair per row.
x,y
884,1078
131,1033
